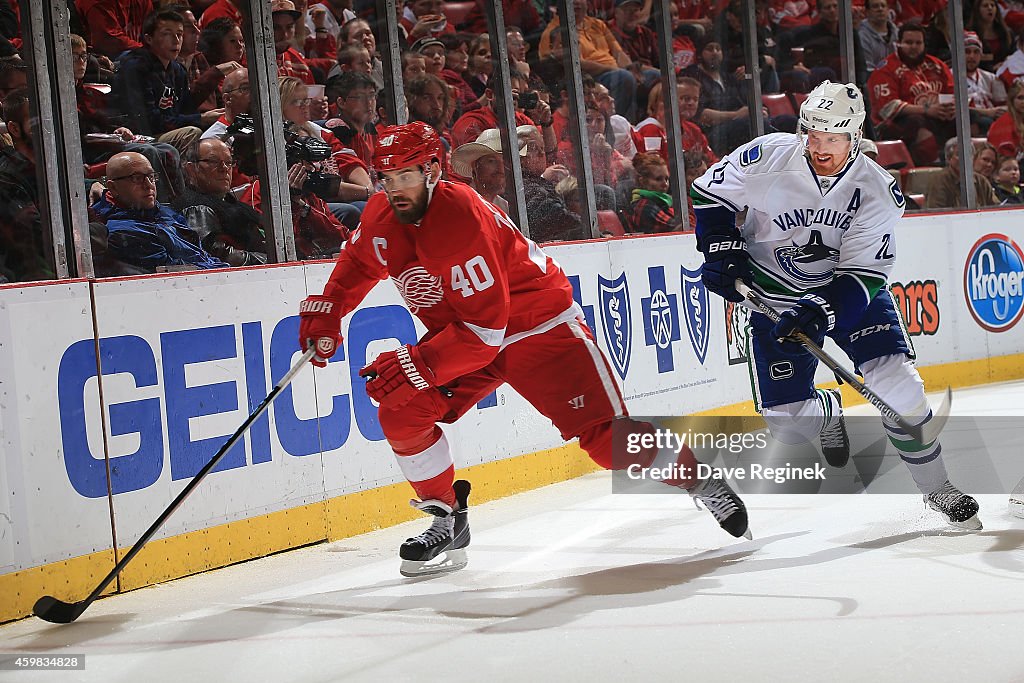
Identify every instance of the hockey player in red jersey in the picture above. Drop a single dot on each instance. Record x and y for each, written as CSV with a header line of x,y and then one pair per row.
x,y
497,309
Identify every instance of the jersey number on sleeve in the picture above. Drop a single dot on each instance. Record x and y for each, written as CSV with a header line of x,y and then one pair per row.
x,y
475,277
883,253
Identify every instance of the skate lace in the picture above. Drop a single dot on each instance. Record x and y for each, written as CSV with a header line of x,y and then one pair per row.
x,y
439,531
717,500
946,496
832,435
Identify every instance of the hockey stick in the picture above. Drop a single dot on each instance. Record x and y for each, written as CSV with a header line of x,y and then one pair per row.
x,y
923,433
51,609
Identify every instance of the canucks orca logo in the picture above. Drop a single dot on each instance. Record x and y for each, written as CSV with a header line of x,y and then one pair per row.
x,y
696,309
616,319
661,319
795,259
994,282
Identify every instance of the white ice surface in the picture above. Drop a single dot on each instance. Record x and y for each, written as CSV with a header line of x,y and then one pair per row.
x,y
571,583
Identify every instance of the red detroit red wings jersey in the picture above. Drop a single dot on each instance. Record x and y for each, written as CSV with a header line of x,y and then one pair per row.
x,y
465,271
893,85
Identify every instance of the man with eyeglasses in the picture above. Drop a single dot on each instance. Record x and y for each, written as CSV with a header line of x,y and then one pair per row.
x,y
228,229
140,231
237,100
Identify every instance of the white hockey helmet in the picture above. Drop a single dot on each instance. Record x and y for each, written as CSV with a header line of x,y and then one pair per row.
x,y
834,108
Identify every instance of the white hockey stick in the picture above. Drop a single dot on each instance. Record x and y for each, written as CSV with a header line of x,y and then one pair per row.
x,y
923,433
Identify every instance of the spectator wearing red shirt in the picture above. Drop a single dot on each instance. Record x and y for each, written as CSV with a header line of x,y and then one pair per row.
x,y
521,13
219,9
917,11
320,47
114,25
355,97
904,92
471,124
422,18
1005,132
684,52
639,42
649,134
696,16
290,61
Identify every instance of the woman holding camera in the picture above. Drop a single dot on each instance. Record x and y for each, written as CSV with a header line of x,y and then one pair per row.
x,y
320,169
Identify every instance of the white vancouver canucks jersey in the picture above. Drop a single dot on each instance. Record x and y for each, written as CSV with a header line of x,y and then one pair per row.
x,y
801,229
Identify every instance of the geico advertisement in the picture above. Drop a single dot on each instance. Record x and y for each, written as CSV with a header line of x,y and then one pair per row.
x,y
183,365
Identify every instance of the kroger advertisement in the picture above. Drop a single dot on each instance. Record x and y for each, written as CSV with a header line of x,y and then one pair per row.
x,y
114,393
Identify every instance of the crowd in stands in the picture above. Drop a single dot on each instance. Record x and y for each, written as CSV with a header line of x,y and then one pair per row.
x,y
164,104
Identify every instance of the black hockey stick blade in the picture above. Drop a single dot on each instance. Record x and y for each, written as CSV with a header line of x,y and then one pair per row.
x,y
49,608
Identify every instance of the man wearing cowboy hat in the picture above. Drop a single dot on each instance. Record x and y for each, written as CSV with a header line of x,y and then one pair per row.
x,y
482,163
290,62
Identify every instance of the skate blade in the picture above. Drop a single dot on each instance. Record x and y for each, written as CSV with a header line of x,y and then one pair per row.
x,y
972,524
1016,507
453,560
747,535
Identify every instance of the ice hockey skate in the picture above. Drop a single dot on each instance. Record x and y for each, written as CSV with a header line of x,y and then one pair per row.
x,y
723,504
959,509
442,547
835,442
1015,505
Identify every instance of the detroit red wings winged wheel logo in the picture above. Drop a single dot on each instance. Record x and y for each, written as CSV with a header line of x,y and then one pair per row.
x,y
419,289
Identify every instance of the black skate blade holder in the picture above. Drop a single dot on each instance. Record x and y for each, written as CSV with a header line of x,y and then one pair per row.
x,y
923,433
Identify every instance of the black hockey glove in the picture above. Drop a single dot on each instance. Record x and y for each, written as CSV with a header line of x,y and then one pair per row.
x,y
811,315
725,260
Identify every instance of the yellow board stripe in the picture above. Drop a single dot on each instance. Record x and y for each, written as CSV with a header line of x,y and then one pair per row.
x,y
357,513
340,517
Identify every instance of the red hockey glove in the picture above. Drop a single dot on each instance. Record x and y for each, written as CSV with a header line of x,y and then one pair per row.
x,y
395,377
320,324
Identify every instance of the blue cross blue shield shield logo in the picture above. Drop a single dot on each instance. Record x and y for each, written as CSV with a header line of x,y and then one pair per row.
x,y
616,320
696,311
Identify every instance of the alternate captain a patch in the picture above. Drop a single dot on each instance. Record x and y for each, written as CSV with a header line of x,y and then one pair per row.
x,y
751,155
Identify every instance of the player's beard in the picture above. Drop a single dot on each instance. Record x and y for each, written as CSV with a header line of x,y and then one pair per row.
x,y
414,212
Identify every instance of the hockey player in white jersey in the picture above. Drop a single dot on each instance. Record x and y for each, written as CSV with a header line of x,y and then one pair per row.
x,y
819,240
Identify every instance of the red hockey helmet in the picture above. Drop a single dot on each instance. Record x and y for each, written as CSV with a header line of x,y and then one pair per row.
x,y
413,144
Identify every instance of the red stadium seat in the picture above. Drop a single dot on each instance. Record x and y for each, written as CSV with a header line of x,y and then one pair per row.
x,y
96,171
457,11
894,154
608,221
778,105
798,99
